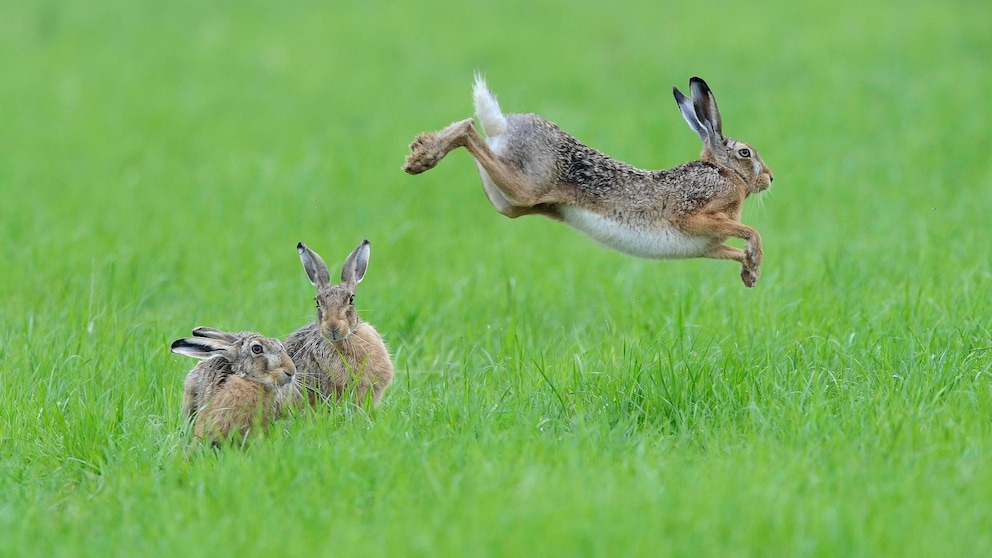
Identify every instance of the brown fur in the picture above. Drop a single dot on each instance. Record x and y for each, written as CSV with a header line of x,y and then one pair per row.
x,y
329,368
238,406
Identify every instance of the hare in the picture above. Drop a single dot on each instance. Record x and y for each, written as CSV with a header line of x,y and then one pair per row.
x,y
528,165
339,350
233,387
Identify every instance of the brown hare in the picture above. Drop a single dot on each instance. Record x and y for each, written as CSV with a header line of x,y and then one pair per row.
x,y
528,165
338,350
232,390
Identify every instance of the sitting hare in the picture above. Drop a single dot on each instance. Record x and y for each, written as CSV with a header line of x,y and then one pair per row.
x,y
339,350
528,165
233,387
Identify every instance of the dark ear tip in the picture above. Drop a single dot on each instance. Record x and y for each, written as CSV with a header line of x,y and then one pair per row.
x,y
176,344
300,246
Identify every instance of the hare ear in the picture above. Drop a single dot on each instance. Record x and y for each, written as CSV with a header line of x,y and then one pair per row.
x,y
689,114
203,348
212,333
314,266
705,104
356,264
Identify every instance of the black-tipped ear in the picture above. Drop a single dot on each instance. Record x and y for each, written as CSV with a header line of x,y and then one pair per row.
x,y
314,265
705,104
213,333
689,114
201,347
356,264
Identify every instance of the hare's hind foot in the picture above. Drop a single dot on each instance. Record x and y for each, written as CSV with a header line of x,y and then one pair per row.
x,y
429,148
423,154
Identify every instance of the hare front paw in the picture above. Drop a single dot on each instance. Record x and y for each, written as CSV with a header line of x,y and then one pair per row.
x,y
751,266
752,255
749,275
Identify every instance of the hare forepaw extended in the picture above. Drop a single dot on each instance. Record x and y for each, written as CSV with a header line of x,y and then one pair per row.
x,y
751,266
749,275
752,255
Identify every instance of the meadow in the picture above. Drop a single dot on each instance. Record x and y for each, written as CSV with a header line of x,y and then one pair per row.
x,y
160,161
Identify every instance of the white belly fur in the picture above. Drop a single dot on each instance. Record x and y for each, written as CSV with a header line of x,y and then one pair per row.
x,y
661,244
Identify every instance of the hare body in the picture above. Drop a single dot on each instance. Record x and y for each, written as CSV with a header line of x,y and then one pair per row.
x,y
329,368
528,165
233,388
339,351
238,406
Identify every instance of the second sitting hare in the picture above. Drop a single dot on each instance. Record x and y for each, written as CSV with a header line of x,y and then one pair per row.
x,y
233,389
528,165
338,350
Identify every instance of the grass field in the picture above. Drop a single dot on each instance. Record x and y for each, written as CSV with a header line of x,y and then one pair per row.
x,y
160,161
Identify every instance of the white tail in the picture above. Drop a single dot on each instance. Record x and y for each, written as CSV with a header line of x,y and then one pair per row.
x,y
487,109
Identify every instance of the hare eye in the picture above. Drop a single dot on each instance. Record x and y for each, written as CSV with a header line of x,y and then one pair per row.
x,y
744,152
351,299
256,348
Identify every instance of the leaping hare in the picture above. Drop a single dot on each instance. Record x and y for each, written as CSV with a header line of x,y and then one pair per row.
x,y
339,350
233,388
528,165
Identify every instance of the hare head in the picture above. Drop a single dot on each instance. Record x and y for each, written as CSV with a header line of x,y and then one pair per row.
x,y
336,314
251,355
703,116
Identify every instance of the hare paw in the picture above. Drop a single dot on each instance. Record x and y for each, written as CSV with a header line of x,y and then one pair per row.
x,y
752,257
423,154
749,275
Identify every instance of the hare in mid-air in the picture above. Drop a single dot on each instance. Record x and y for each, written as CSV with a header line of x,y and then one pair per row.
x,y
338,352
528,165
232,390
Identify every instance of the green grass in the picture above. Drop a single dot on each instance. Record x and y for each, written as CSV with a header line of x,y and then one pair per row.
x,y
159,162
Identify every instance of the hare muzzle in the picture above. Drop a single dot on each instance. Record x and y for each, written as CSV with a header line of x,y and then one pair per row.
x,y
765,176
284,378
288,371
335,331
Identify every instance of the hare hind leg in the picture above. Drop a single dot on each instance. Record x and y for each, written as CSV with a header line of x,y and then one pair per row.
x,y
509,190
429,148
